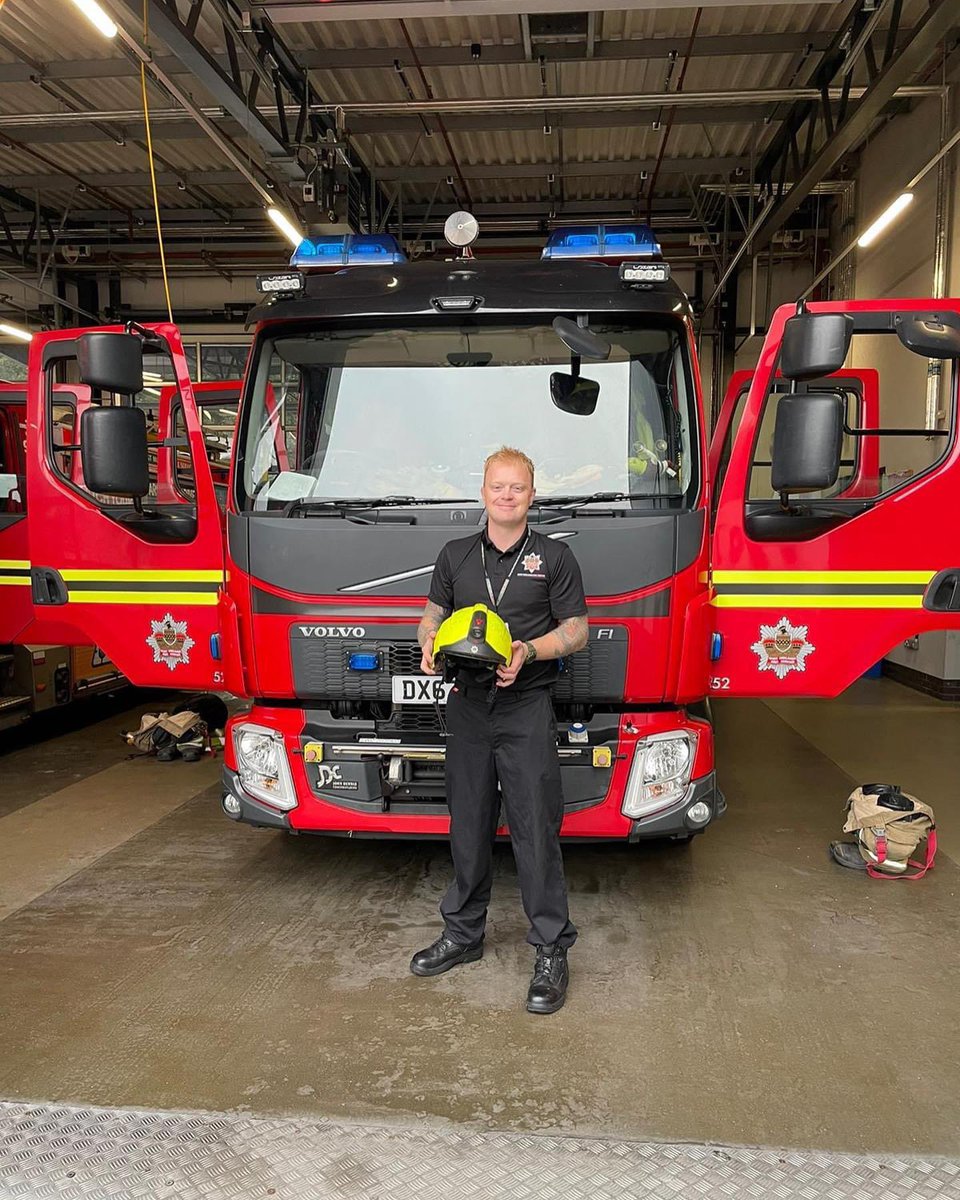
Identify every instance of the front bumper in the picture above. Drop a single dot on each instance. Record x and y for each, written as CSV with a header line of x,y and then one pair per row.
x,y
252,811
675,821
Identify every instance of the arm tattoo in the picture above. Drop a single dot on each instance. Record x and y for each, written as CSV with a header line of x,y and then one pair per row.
x,y
571,635
433,617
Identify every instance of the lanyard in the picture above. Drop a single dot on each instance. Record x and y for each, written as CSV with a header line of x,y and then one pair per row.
x,y
495,603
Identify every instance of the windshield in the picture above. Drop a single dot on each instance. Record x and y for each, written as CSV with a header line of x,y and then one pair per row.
x,y
345,413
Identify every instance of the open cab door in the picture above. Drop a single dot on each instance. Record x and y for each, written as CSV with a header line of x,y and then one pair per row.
x,y
125,540
16,609
218,403
836,492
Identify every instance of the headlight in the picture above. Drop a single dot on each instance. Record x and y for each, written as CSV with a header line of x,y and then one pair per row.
x,y
660,774
262,765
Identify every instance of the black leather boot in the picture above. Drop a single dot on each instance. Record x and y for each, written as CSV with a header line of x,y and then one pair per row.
x,y
548,987
443,954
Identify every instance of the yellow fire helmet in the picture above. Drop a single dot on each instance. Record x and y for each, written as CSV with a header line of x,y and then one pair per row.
x,y
475,638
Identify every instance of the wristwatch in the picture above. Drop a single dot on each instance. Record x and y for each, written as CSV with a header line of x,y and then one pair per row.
x,y
531,652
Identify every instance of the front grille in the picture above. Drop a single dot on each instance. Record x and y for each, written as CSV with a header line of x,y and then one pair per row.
x,y
321,670
411,720
321,667
594,675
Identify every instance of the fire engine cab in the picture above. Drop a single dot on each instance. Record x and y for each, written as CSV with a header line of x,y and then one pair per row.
x,y
815,534
35,677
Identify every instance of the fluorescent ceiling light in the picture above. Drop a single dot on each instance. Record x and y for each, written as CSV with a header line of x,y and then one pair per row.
x,y
896,208
282,222
14,331
96,16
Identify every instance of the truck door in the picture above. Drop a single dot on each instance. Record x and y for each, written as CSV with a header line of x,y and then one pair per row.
x,y
861,391
811,587
217,403
16,608
137,575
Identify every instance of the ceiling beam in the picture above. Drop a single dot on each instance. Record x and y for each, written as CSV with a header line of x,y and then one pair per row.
x,y
940,20
568,170
88,225
77,127
373,57
200,64
187,130
406,174
51,181
381,10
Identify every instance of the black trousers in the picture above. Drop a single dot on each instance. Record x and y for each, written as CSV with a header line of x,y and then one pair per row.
x,y
511,742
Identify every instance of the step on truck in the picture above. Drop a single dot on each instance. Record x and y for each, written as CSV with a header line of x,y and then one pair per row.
x,y
818,533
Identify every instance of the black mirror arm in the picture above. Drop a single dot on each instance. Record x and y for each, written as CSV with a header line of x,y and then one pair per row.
x,y
895,432
146,335
575,361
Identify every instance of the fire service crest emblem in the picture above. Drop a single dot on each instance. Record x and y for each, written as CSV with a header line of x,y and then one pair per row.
x,y
782,648
532,563
170,642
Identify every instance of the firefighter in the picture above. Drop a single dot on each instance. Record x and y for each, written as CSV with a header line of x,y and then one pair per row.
x,y
506,733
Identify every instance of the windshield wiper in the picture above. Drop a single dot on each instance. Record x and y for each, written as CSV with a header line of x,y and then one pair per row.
x,y
593,498
306,503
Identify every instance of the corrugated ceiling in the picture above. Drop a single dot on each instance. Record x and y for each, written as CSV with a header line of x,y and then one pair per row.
x,y
48,32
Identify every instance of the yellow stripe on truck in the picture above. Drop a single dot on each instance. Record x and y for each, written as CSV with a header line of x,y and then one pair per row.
x,y
813,577
811,600
140,576
152,598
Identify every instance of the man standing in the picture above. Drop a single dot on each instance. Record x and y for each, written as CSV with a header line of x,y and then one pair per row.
x,y
533,582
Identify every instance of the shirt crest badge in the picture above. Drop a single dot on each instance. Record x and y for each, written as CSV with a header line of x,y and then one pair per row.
x,y
532,563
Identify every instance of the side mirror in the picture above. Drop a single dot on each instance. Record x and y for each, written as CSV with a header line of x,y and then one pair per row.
x,y
112,362
113,451
574,394
815,344
580,340
934,335
807,442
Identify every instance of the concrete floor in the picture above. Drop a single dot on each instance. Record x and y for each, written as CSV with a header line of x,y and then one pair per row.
x,y
742,990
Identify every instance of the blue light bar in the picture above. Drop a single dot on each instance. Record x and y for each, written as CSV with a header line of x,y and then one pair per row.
x,y
333,252
364,661
602,241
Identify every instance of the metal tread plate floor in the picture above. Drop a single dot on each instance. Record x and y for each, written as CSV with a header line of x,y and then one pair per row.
x,y
127,1154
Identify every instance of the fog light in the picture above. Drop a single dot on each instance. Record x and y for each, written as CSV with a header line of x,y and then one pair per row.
x,y
699,813
231,805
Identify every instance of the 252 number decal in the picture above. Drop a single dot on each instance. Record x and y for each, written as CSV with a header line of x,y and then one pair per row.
x,y
719,683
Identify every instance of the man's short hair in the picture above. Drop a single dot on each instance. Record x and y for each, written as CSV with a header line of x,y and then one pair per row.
x,y
509,454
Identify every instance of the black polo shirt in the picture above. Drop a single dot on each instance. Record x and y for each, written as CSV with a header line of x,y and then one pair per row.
x,y
544,589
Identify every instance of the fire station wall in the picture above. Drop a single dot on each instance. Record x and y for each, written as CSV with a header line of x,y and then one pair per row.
x,y
901,263
788,278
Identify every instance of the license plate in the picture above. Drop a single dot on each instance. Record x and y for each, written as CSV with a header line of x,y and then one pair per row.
x,y
419,689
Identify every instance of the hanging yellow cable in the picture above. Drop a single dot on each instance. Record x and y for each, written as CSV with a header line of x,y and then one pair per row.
x,y
153,173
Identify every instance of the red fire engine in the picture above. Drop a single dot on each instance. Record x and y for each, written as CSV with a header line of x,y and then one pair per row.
x,y
35,676
374,390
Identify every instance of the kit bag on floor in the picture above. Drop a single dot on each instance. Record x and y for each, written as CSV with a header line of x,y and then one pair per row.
x,y
161,729
890,825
